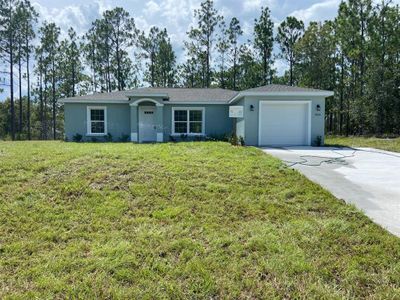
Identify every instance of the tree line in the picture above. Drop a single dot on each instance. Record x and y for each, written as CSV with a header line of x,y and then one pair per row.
x,y
357,55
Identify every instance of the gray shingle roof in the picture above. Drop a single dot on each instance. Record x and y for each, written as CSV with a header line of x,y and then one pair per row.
x,y
174,94
282,88
216,95
191,94
117,95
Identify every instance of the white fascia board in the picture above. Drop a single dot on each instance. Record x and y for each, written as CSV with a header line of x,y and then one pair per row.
x,y
92,101
194,102
148,95
237,97
273,94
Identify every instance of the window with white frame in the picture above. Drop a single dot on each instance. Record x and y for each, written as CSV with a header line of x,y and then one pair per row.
x,y
188,121
97,120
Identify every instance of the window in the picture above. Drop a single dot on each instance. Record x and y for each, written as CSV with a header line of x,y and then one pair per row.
x,y
97,120
188,121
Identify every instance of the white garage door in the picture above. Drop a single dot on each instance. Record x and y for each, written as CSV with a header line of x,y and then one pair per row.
x,y
284,123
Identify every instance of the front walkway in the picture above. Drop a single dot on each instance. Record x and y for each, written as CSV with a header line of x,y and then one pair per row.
x,y
367,178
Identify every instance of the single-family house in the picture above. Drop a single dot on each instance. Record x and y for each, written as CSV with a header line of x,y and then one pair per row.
x,y
269,115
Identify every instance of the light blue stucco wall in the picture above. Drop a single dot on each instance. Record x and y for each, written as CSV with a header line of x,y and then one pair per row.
x,y
75,116
248,125
217,121
122,119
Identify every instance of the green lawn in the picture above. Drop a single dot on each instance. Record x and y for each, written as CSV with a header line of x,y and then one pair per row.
x,y
370,142
191,220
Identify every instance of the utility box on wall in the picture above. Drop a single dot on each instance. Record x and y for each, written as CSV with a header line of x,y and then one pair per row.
x,y
235,111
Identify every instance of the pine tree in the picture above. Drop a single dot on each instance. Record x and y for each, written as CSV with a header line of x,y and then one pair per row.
x,y
8,26
234,32
122,35
289,32
166,62
249,68
263,41
49,43
203,37
71,65
223,46
30,18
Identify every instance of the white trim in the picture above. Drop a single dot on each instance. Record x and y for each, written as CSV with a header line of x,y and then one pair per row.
x,y
203,126
148,95
92,101
196,103
134,137
136,103
283,94
88,121
160,137
308,102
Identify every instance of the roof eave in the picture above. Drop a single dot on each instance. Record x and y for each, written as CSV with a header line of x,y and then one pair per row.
x,y
311,93
62,101
146,95
195,102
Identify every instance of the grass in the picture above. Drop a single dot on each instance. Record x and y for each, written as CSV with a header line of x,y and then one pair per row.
x,y
392,144
188,220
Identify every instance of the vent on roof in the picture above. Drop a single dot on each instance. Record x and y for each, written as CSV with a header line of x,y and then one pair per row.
x,y
165,99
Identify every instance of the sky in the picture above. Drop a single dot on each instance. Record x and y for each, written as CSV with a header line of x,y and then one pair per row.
x,y
177,15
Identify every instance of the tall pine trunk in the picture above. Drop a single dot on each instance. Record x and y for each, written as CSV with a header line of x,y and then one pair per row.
x,y
341,95
291,69
11,57
20,121
28,110
119,75
41,104
234,67
45,106
53,85
73,78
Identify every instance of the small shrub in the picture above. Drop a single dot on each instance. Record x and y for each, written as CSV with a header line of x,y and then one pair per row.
x,y
184,137
318,141
241,141
94,140
199,138
77,137
108,138
234,140
172,138
124,138
218,137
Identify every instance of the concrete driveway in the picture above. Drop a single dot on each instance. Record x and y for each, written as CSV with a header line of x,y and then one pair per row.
x,y
367,178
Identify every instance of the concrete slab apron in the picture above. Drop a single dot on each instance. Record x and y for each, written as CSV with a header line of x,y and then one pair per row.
x,y
367,178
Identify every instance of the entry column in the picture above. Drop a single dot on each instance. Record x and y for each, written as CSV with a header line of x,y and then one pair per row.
x,y
159,119
134,122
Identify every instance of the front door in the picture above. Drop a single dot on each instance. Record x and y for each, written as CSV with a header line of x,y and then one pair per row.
x,y
147,124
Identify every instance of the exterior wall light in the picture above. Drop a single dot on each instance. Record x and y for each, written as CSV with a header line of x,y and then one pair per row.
x,y
251,107
318,107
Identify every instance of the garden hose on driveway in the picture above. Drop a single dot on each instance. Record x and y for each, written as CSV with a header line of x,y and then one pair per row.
x,y
308,160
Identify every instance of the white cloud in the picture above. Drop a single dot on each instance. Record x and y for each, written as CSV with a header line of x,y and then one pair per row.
x,y
248,28
325,10
255,5
151,8
78,17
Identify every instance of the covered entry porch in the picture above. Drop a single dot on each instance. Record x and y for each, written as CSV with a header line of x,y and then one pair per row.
x,y
146,117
